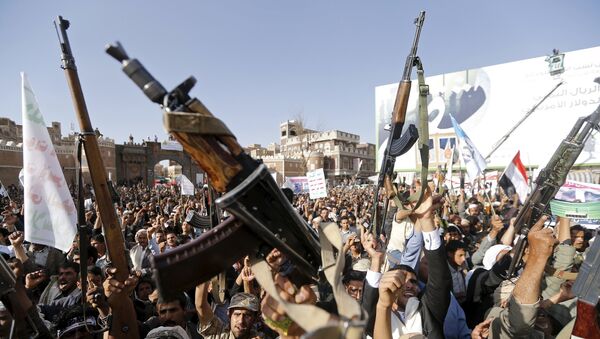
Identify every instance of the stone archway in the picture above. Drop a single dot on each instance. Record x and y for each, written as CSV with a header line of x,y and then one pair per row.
x,y
135,162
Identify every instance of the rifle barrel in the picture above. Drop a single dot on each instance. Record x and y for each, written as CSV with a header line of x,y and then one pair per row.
x,y
124,323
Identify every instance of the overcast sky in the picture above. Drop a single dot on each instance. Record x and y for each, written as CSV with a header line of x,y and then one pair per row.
x,y
261,62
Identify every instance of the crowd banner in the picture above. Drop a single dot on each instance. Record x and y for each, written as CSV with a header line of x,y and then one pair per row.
x,y
488,101
316,184
579,191
171,145
50,214
187,187
297,184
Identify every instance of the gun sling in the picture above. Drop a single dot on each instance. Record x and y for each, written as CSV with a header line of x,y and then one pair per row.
x,y
423,141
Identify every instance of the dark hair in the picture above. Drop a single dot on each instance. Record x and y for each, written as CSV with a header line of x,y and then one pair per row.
x,y
70,265
92,252
179,297
353,275
4,232
473,220
587,235
95,271
454,245
144,281
72,315
289,194
98,238
404,268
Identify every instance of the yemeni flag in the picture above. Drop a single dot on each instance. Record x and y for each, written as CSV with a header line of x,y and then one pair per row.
x,y
514,178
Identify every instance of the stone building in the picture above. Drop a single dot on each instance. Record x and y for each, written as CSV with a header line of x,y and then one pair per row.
x,y
127,164
11,152
339,153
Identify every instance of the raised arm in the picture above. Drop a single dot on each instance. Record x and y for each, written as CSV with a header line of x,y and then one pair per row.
x,y
205,312
519,317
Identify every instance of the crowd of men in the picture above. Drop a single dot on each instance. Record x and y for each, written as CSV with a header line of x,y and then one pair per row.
x,y
439,271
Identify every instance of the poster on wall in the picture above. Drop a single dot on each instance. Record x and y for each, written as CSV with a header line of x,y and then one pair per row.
x,y
487,102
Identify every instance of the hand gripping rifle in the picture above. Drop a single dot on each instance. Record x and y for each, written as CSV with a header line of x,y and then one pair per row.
x,y
263,218
549,181
398,143
124,323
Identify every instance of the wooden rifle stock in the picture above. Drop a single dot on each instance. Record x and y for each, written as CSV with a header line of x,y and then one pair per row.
x,y
587,290
124,323
586,324
252,195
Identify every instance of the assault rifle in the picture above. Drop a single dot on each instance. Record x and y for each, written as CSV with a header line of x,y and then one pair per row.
x,y
262,217
398,143
549,181
124,323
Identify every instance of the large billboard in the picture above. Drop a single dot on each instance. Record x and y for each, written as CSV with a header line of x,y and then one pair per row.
x,y
487,102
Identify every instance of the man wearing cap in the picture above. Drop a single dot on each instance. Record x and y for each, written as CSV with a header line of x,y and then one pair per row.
x,y
243,312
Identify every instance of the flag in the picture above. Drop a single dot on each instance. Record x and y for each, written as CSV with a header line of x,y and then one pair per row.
x,y
187,188
514,178
50,214
473,160
3,191
22,177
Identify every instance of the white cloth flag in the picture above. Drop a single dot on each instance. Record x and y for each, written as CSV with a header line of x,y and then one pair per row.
x,y
50,214
187,188
473,160
3,191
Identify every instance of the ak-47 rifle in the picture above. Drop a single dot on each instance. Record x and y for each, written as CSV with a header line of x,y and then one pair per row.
x,y
124,323
587,290
397,143
263,217
549,181
26,321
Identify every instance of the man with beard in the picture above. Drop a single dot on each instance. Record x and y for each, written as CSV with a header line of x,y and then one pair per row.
x,y
243,313
171,312
401,308
61,286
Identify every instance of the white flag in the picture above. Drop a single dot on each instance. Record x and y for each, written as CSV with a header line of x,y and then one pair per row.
x,y
50,214
22,177
473,160
3,191
187,188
